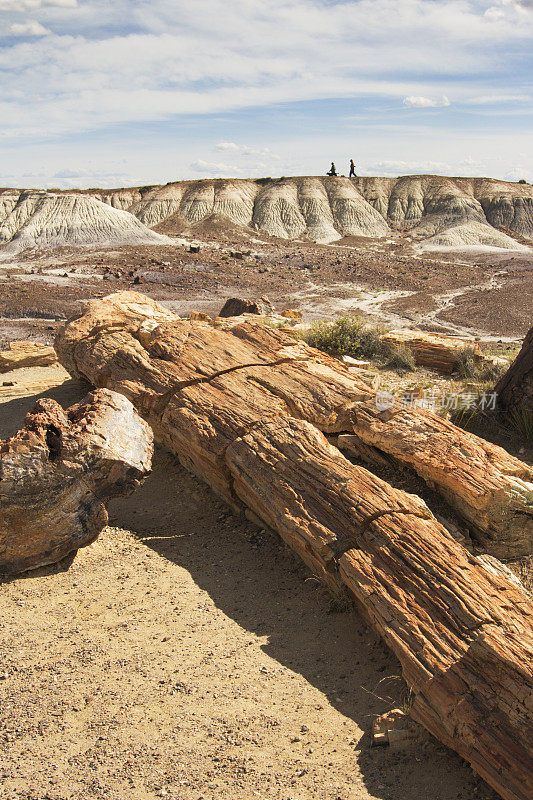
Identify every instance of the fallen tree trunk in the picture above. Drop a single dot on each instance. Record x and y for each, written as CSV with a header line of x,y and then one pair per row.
x,y
129,343
489,488
26,354
433,350
242,409
58,472
461,631
515,388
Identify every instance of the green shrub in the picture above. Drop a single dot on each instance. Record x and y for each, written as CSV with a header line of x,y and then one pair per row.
x,y
347,336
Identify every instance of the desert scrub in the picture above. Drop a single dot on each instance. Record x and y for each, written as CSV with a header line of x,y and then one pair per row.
x,y
347,336
471,366
285,325
352,336
490,423
400,358
520,424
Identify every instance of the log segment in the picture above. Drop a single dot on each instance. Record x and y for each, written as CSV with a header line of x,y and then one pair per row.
x,y
489,488
242,409
59,471
461,632
26,354
433,350
515,388
129,343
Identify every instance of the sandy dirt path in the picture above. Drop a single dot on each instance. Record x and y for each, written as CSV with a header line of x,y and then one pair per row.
x,y
188,654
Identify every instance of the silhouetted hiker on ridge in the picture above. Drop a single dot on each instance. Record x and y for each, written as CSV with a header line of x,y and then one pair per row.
x,y
352,169
332,171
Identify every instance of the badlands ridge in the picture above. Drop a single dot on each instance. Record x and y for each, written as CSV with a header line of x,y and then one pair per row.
x,y
438,212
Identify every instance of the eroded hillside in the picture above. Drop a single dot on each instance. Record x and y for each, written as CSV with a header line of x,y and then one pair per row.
x,y
31,219
456,211
437,211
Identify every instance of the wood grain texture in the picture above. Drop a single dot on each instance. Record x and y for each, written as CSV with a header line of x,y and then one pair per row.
x,y
433,350
58,472
129,343
245,408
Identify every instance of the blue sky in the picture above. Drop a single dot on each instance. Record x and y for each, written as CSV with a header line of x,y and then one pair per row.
x,y
101,93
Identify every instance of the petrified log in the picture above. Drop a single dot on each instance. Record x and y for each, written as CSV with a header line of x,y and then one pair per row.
x,y
433,350
58,472
234,406
129,343
515,388
488,487
26,354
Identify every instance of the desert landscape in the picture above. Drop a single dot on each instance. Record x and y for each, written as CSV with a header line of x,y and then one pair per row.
x,y
300,350
421,251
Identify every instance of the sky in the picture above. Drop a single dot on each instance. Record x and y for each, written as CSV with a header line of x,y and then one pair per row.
x,y
136,92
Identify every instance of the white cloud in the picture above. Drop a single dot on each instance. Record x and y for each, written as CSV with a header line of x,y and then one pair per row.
x,y
215,169
494,13
425,102
170,59
505,7
29,28
227,146
34,5
245,150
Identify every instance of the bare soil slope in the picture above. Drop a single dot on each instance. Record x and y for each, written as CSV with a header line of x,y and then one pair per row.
x,y
48,220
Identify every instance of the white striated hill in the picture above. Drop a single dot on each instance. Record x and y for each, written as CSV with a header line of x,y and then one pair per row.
x,y
438,211
43,219
324,209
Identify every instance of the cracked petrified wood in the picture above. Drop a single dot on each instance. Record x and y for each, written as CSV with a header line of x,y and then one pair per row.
x,y
26,354
433,350
130,343
515,388
242,408
58,472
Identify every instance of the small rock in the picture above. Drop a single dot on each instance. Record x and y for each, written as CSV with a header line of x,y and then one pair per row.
x,y
236,306
199,316
355,362
292,313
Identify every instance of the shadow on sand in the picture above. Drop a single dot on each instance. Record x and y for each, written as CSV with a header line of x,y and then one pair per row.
x,y
258,582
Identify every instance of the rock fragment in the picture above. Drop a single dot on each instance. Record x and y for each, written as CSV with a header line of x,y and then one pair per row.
x,y
26,354
59,471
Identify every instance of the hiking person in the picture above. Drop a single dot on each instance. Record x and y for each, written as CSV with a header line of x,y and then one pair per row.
x,y
352,169
332,170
